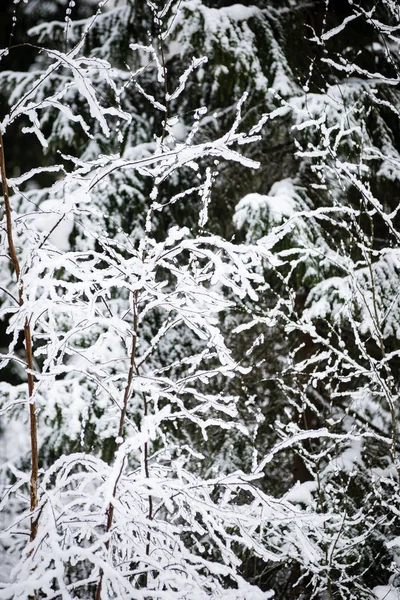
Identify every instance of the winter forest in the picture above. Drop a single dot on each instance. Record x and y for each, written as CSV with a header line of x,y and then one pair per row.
x,y
199,300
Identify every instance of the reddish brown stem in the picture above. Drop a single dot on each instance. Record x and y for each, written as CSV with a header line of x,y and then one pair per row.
x,y
127,394
28,349
11,247
147,474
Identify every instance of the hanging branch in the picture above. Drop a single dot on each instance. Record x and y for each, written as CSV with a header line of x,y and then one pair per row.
x,y
28,348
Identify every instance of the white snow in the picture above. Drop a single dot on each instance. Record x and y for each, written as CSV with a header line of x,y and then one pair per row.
x,y
279,204
386,592
302,493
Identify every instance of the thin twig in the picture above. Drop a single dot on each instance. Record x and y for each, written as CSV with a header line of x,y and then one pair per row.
x,y
127,395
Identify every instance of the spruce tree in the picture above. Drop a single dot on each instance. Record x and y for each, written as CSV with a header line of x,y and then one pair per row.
x,y
200,241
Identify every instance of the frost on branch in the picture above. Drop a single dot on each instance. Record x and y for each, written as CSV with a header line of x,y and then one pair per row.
x,y
106,306
216,387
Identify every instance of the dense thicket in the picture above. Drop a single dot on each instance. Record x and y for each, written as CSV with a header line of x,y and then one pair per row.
x,y
200,238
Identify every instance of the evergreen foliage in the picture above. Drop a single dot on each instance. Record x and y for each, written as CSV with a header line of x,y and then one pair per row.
x,y
200,300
